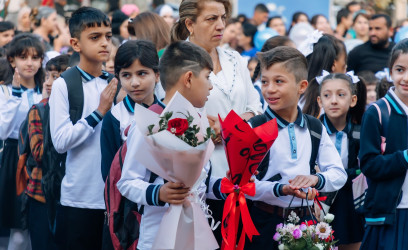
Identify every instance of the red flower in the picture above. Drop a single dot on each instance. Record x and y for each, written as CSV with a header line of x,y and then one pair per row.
x,y
177,126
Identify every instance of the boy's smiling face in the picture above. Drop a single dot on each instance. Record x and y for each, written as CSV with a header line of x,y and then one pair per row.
x,y
94,43
281,91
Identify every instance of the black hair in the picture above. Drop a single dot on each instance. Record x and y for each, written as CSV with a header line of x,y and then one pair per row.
x,y
86,17
400,48
325,52
385,16
351,4
269,44
142,50
242,18
313,21
369,77
118,17
180,57
382,87
74,59
249,30
359,89
261,8
5,26
6,74
296,16
58,63
272,18
342,13
21,45
292,60
232,20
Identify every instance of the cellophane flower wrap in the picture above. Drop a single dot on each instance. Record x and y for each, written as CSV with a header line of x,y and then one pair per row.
x,y
305,236
245,148
167,154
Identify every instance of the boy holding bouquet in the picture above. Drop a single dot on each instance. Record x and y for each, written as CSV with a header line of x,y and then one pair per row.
x,y
184,68
284,74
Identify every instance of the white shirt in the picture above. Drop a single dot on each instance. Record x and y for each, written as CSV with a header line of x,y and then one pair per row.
x,y
134,185
14,109
82,185
289,157
404,188
232,90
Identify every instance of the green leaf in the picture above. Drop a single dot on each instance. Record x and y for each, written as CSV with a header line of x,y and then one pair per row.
x,y
150,128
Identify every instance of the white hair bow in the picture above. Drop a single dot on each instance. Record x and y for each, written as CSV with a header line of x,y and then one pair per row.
x,y
306,48
384,74
319,79
354,78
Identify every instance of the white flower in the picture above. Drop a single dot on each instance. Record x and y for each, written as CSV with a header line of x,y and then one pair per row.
x,y
320,246
293,217
329,217
281,247
173,130
323,230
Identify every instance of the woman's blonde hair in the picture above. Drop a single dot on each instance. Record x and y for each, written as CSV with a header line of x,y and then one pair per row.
x,y
150,26
191,9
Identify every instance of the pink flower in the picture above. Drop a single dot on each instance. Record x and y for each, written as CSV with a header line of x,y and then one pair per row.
x,y
279,226
276,237
303,227
297,234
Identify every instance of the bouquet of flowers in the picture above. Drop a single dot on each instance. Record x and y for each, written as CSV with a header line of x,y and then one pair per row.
x,y
245,148
307,235
176,146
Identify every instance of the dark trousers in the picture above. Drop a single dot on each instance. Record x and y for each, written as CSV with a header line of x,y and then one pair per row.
x,y
79,228
40,234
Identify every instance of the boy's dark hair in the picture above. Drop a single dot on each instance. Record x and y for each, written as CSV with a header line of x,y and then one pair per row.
x,y
142,50
272,18
5,26
5,72
261,8
58,63
21,45
351,4
342,13
292,60
369,77
180,57
385,16
86,17
382,87
270,44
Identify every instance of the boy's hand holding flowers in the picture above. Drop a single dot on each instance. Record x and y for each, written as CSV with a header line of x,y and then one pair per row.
x,y
173,193
301,181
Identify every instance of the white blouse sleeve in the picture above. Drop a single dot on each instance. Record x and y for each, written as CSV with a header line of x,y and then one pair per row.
x,y
8,111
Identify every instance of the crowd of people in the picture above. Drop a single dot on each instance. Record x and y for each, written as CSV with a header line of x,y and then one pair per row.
x,y
69,86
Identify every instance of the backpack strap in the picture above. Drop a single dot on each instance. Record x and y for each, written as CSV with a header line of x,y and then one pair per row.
x,y
5,91
355,132
384,111
73,80
315,129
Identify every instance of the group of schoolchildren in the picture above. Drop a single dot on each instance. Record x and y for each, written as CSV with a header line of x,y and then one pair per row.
x,y
92,131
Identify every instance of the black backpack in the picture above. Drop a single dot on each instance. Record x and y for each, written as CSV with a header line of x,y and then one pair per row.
x,y
315,129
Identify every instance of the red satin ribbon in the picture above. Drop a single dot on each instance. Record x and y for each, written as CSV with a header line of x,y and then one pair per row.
x,y
233,212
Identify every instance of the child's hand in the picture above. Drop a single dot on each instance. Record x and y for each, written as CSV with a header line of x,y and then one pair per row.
x,y
173,193
287,190
303,181
215,124
107,96
16,79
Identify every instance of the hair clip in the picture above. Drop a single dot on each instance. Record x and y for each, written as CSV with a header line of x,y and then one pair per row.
x,y
319,79
354,78
130,20
306,47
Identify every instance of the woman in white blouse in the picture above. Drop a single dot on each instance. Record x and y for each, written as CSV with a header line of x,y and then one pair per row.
x,y
203,23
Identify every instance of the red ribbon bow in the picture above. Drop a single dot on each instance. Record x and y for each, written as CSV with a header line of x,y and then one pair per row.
x,y
229,230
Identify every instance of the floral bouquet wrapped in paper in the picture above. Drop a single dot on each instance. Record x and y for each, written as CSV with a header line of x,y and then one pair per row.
x,y
306,236
245,148
176,146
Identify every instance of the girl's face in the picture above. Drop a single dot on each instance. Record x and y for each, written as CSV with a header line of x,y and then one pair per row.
x,y
208,29
399,74
50,77
243,40
123,29
50,22
110,64
27,64
139,81
336,98
371,93
169,19
361,26
231,32
25,21
323,25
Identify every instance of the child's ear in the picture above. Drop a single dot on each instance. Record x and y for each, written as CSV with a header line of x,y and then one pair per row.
x,y
302,86
75,44
353,101
12,62
157,77
319,101
187,79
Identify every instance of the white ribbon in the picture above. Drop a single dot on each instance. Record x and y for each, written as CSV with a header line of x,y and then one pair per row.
x,y
319,79
384,74
354,78
306,47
